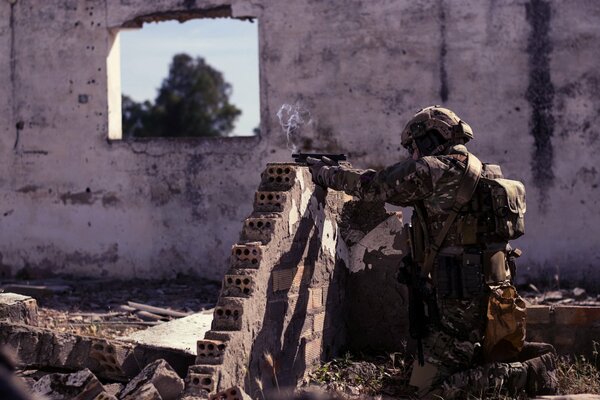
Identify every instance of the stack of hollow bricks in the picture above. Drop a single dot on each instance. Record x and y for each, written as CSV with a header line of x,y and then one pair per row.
x,y
262,285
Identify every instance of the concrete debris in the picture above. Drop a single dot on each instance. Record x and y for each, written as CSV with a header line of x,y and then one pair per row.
x,y
555,295
158,374
233,393
579,294
98,307
113,388
143,392
110,359
182,333
18,308
82,385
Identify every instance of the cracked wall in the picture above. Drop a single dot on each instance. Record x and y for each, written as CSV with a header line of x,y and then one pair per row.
x,y
74,202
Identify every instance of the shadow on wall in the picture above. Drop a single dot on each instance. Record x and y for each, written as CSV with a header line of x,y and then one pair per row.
x,y
295,318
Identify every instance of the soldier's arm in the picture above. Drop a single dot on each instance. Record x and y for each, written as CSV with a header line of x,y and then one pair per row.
x,y
405,182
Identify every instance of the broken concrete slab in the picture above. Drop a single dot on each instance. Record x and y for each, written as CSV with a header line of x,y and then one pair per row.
x,y
18,308
82,385
111,359
181,334
113,388
159,374
144,392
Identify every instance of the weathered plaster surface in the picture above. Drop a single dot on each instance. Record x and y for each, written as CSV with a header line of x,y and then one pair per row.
x,y
71,201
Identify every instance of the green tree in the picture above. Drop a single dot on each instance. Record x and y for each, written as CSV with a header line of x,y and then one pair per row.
x,y
192,101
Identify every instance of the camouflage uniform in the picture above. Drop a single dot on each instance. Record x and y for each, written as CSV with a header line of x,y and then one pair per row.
x,y
453,349
433,180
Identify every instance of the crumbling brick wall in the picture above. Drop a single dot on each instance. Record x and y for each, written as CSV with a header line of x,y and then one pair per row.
x,y
283,296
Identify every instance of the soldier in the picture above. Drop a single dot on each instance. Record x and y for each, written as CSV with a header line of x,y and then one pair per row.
x,y
465,213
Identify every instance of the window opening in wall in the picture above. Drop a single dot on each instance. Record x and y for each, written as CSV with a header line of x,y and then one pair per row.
x,y
198,78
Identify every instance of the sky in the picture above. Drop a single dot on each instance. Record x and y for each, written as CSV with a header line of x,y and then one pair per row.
x,y
228,45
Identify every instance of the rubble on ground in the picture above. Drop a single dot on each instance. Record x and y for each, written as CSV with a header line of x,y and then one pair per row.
x,y
104,366
576,297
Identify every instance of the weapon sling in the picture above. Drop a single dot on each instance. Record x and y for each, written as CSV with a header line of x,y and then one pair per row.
x,y
465,191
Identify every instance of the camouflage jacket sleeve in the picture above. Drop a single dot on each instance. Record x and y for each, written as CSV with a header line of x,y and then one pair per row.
x,y
401,184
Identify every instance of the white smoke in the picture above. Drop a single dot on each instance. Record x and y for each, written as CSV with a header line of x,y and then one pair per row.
x,y
293,119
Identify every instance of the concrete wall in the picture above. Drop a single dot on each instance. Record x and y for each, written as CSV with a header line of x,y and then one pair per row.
x,y
523,73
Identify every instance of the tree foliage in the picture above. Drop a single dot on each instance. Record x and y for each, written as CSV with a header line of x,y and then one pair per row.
x,y
193,101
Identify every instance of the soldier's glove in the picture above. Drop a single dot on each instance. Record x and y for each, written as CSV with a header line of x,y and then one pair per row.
x,y
315,165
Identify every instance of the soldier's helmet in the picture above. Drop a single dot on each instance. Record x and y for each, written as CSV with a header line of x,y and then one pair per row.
x,y
433,129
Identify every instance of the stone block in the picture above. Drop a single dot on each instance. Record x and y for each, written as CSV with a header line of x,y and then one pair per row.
x,y
18,308
82,385
260,229
270,201
278,177
228,315
247,255
113,389
538,314
108,358
201,380
233,393
145,392
210,351
576,315
238,285
160,375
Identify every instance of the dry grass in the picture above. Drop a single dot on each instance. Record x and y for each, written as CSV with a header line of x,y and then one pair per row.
x,y
389,376
578,374
372,376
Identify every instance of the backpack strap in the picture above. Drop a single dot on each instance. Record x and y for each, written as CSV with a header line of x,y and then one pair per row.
x,y
465,191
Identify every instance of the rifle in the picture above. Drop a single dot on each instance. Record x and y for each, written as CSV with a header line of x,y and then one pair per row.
x,y
422,306
300,158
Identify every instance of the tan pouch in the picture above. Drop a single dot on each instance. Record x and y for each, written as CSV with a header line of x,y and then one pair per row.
x,y
505,330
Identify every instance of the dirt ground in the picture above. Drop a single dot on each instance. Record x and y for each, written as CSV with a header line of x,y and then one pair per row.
x,y
102,308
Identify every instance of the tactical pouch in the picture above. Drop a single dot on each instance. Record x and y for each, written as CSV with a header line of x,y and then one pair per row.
x,y
459,277
508,207
505,330
495,267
